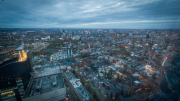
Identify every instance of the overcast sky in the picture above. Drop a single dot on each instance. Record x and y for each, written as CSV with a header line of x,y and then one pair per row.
x,y
135,14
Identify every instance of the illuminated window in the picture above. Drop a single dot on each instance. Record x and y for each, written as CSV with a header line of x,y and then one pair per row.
x,y
11,94
3,93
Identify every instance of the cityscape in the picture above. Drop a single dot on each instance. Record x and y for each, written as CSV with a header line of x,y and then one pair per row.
x,y
90,64
97,50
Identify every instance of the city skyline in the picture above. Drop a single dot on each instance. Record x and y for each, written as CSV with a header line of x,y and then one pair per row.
x,y
139,14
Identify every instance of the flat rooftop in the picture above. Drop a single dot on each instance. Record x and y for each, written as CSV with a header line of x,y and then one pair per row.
x,y
79,88
46,84
47,71
20,48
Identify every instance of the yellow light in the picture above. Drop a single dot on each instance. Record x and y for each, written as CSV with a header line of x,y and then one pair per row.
x,y
6,92
22,56
11,94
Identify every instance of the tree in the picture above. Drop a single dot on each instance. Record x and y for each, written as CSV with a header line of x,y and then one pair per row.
x,y
64,70
154,77
39,63
139,58
34,53
83,81
95,95
88,87
74,42
111,54
127,54
85,55
48,53
91,65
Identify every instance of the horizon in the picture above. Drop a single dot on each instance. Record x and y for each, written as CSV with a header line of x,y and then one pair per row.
x,y
97,28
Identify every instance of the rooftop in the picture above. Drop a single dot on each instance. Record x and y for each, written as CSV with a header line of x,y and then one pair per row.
x,y
79,88
46,84
20,48
47,71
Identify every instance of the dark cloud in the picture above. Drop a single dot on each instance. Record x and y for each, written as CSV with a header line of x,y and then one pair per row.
x,y
90,14
161,9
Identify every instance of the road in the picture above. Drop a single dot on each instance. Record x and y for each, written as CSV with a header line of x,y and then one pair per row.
x,y
161,67
150,55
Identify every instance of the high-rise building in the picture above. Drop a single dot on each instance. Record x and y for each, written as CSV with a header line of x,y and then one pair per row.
x,y
15,76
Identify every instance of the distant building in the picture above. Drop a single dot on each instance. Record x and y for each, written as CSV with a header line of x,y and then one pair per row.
x,y
14,33
69,51
38,45
46,38
30,32
62,54
147,36
75,37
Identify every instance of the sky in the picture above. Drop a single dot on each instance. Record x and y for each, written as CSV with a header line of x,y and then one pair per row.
x,y
118,14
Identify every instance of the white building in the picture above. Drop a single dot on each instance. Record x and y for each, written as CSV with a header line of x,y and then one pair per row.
x,y
58,56
136,83
46,38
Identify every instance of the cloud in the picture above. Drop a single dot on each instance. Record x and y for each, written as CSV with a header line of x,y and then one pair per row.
x,y
90,13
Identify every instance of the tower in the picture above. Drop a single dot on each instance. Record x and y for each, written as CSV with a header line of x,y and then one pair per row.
x,y
69,50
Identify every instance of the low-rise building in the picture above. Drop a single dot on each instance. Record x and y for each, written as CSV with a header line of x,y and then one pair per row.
x,y
49,87
77,89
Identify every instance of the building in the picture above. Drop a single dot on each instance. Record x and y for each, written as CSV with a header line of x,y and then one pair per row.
x,y
15,75
77,89
69,50
1,49
46,38
58,56
46,88
38,45
75,37
62,54
30,32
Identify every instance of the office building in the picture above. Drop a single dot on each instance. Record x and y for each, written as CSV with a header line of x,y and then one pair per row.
x,y
15,75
